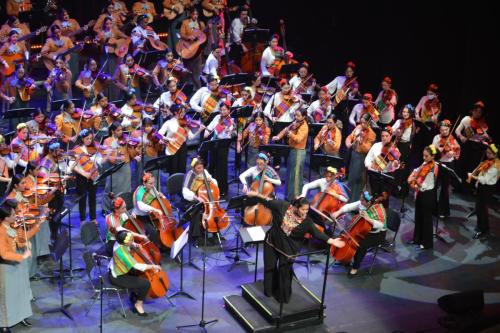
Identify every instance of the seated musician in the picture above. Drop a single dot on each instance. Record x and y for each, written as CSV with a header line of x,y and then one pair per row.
x,y
329,137
321,108
289,225
206,99
327,184
123,270
140,35
271,55
14,48
261,169
58,83
18,89
176,132
375,214
256,134
192,182
55,45
16,295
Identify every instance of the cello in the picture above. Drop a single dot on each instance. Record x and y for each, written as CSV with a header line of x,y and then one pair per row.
x,y
165,223
215,216
258,214
326,203
158,280
136,226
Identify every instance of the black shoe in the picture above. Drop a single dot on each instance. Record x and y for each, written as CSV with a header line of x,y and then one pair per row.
x,y
143,314
477,235
5,330
26,323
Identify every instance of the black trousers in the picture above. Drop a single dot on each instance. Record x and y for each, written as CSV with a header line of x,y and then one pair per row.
x,y
483,198
136,284
424,207
470,157
444,192
55,204
86,188
404,170
278,274
371,240
150,229
236,53
109,247
195,227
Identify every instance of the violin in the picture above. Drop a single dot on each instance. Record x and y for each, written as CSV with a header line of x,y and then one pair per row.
x,y
139,71
189,122
139,106
214,215
79,113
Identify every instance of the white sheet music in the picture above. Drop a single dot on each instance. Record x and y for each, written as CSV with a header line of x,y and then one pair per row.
x,y
179,243
256,233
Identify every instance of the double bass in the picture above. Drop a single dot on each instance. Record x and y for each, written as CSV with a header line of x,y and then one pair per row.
x,y
326,203
165,223
214,215
158,280
136,226
258,214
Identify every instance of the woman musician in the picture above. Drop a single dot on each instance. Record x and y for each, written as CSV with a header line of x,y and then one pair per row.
x,y
24,149
192,182
123,268
386,102
128,76
290,223
320,109
256,134
272,55
423,181
365,107
329,184
151,143
167,68
58,83
18,89
449,151
427,111
173,95
261,169
375,214
303,83
329,138
485,176
90,82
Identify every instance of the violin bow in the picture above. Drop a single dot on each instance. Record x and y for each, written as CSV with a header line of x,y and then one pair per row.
x,y
334,221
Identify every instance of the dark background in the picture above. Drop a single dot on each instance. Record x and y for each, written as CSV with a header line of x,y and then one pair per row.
x,y
414,42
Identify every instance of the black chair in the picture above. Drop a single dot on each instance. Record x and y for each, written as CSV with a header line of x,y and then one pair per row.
x,y
90,264
89,235
393,224
128,197
174,186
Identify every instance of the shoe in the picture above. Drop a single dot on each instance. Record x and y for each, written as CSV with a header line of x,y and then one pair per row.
x,y
5,330
477,235
143,314
351,275
35,277
443,216
26,323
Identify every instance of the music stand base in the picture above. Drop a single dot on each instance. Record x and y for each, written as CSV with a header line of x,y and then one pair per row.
x,y
201,324
62,309
180,293
237,261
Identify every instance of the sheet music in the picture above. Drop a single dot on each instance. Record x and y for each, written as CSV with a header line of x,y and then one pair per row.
x,y
179,243
256,233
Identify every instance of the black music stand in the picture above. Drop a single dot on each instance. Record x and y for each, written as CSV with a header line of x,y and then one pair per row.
x,y
278,126
323,160
441,234
254,235
60,247
148,57
158,164
276,150
210,145
234,79
307,97
211,117
270,81
187,216
386,181
241,111
18,114
108,172
176,251
238,202
256,35
314,129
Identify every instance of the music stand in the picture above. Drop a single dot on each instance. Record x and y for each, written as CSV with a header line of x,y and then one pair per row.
x,y
158,164
234,79
211,117
238,202
178,248
323,160
17,114
108,172
188,215
386,181
148,57
241,111
276,150
307,97
278,126
270,81
254,235
209,145
255,35
289,69
58,250
440,234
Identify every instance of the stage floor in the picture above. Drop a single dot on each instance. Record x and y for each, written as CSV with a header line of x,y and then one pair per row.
x,y
398,296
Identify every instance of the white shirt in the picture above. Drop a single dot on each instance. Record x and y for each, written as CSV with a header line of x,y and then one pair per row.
x,y
316,106
275,101
357,207
165,98
375,151
489,177
200,96
406,136
140,35
266,60
252,173
186,192
227,133
429,181
450,156
336,84
322,184
355,115
169,128
211,65
296,81
128,111
236,31
387,114
465,123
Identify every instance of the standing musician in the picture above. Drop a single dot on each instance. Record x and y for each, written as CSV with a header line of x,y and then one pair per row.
x,y
55,45
423,181
15,7
89,83
328,184
68,122
18,89
114,223
5,164
296,133
449,151
375,214
386,102
151,144
485,176
173,95
261,169
16,297
176,132
272,55
383,157
256,134
69,26
102,111
192,182
131,117
427,111
13,48
212,65
289,225
365,107
321,108
304,82
246,99
12,24
140,36
404,131
189,28
128,76
39,125
206,100
143,196
115,16
88,160
283,104
144,7
166,69
329,137
221,127
58,83
360,140
175,11
123,270
237,47
29,150
472,131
